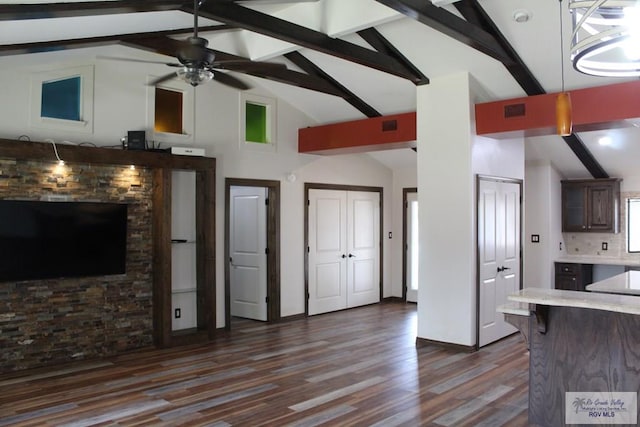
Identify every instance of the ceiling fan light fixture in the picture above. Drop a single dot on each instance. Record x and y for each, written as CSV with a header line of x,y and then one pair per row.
x,y
606,37
194,76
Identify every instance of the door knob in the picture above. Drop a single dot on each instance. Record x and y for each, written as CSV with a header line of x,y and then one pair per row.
x,y
503,268
343,256
352,256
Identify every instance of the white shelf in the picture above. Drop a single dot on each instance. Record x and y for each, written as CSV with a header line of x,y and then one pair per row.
x,y
183,291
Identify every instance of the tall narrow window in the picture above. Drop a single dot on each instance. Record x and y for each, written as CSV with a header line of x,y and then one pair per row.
x,y
168,111
256,123
633,225
61,99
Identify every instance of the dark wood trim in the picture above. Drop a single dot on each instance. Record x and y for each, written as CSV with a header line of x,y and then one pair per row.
x,y
206,244
33,150
322,186
381,44
293,318
423,342
242,17
520,183
392,300
161,217
405,243
309,67
273,243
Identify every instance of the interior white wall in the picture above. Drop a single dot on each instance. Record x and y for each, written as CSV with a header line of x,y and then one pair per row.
x,y
120,104
449,158
542,201
402,178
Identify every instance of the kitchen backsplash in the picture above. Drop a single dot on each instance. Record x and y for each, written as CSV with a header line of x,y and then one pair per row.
x,y
590,244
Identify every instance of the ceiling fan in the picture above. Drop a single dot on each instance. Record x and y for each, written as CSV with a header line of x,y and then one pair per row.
x,y
196,62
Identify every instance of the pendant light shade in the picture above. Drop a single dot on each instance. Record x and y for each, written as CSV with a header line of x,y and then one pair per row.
x,y
563,114
564,122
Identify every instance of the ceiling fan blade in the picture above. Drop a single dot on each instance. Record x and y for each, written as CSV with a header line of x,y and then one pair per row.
x,y
162,79
229,80
143,61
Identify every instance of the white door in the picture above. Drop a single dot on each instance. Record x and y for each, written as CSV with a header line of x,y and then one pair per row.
x,y
344,251
363,244
499,254
412,249
247,251
327,251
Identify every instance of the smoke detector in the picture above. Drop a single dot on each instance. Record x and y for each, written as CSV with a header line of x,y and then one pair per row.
x,y
521,16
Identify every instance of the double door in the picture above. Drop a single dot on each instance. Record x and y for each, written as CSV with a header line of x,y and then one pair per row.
x,y
344,249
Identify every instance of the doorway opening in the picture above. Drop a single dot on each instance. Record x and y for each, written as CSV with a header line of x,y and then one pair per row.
x,y
410,244
252,249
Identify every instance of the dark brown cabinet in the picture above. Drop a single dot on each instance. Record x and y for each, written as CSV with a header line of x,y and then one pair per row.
x,y
572,276
591,205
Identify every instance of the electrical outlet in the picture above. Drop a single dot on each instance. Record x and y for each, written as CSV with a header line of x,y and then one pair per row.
x,y
535,238
177,313
605,246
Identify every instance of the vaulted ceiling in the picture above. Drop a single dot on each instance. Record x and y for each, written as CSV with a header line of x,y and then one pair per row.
x,y
346,59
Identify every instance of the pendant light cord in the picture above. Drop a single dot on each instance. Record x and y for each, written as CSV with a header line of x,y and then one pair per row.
x,y
561,48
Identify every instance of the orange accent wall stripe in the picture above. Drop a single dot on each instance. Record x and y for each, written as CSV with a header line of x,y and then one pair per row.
x,y
602,107
374,134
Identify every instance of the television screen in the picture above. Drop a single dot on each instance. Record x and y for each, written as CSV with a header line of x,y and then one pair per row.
x,y
41,240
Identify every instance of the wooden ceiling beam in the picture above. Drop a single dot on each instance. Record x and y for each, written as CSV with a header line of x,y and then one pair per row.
x,y
447,23
381,44
310,68
249,19
53,45
16,12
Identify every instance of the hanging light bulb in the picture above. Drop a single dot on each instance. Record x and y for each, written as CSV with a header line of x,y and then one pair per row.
x,y
564,123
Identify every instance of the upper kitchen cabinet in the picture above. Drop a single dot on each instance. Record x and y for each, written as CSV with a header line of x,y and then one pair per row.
x,y
591,205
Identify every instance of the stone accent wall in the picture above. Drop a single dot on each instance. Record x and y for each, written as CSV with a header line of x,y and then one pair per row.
x,y
47,322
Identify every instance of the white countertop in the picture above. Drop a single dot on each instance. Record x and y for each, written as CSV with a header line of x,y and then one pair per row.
x,y
625,283
602,260
593,300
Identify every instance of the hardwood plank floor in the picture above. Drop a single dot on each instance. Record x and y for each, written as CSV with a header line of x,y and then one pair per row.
x,y
356,367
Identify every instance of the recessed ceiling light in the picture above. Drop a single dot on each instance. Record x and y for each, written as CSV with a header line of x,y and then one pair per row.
x,y
605,140
521,16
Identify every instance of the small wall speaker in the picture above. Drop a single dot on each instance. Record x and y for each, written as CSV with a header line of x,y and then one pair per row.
x,y
136,140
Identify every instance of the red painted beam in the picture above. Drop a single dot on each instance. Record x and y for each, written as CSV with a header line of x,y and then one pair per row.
x,y
602,107
359,136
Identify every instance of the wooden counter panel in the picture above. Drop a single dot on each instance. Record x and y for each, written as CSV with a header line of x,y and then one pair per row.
x,y
583,350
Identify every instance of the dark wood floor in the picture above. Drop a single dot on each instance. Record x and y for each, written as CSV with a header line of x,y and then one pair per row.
x,y
357,367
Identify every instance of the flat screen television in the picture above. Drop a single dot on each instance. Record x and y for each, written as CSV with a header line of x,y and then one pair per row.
x,y
43,240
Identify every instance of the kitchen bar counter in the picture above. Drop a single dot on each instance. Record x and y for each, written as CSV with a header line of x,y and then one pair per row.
x,y
579,342
627,283
599,260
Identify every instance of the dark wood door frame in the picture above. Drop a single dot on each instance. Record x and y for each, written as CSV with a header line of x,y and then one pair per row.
x,y
273,245
480,178
318,186
405,246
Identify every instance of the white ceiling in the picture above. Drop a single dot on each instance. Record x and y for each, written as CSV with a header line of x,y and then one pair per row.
x,y
433,53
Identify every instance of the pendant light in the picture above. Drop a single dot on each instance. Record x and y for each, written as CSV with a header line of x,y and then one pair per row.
x,y
563,101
